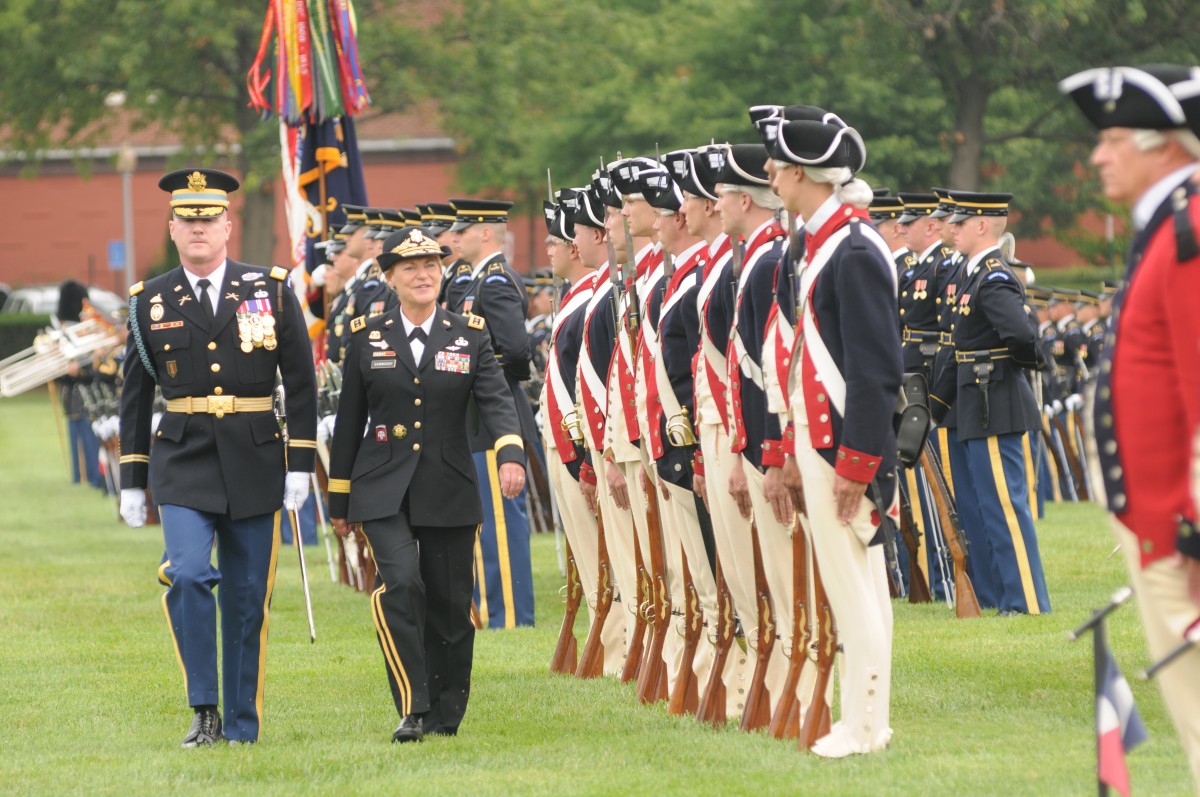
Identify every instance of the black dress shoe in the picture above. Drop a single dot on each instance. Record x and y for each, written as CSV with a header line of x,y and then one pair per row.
x,y
409,730
205,730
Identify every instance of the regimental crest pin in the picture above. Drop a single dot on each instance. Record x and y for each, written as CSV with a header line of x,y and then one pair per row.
x,y
399,431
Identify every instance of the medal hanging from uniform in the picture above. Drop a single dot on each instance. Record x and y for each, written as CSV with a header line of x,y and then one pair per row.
x,y
256,324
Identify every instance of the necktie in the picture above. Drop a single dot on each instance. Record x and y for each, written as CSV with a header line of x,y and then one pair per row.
x,y
205,299
416,342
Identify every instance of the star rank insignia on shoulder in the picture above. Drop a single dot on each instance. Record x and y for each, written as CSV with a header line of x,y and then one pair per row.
x,y
358,324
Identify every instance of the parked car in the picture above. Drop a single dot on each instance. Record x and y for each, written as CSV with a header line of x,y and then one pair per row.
x,y
43,300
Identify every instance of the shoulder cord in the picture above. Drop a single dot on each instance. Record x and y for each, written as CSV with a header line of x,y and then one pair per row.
x,y
136,331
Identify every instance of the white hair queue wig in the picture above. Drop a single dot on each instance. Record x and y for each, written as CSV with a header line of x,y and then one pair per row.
x,y
848,188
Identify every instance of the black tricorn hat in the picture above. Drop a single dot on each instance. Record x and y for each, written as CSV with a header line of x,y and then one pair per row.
x,y
689,169
1152,97
660,190
626,174
558,222
741,164
406,244
583,208
604,190
819,142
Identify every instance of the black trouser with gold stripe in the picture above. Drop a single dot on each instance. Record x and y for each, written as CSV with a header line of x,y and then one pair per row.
x,y
422,612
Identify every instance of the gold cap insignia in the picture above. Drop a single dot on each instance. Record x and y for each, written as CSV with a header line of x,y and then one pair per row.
x,y
197,182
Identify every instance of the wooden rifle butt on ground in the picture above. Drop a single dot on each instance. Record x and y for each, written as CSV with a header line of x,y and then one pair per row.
x,y
685,698
641,594
785,722
566,651
918,584
712,701
757,713
817,719
652,679
591,659
966,604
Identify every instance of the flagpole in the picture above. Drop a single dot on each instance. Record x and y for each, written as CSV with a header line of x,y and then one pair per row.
x,y
1099,655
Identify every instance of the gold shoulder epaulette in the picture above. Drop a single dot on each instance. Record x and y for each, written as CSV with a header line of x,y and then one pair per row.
x,y
279,273
134,290
475,321
358,324
993,262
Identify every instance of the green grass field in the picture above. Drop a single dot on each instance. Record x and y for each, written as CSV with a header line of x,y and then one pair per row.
x,y
91,698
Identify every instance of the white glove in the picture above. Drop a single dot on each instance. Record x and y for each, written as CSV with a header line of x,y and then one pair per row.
x,y
295,490
133,507
325,428
98,428
318,275
1058,406
1074,402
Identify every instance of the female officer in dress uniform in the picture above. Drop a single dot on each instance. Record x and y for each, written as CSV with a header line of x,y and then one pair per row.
x,y
410,481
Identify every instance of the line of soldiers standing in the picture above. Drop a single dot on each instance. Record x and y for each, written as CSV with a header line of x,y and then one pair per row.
x,y
743,368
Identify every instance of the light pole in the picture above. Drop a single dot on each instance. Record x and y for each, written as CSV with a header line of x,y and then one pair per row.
x,y
126,164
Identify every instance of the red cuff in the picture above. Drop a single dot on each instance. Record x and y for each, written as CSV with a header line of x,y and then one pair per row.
x,y
856,466
698,463
587,473
789,441
773,454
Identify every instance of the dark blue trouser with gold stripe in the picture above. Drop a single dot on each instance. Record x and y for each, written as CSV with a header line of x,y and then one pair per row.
x,y
421,606
503,573
1000,477
979,554
247,552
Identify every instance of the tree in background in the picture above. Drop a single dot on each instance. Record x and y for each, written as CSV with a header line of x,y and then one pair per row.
x,y
182,66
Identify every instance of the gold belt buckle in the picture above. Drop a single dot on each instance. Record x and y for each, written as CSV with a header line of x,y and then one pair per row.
x,y
219,405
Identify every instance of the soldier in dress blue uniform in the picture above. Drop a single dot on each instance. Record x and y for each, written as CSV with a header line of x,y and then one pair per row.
x,y
504,586
457,271
409,480
212,334
885,212
994,341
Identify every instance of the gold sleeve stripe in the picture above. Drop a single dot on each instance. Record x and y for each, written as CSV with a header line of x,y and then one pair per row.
x,y
339,485
302,443
135,458
509,440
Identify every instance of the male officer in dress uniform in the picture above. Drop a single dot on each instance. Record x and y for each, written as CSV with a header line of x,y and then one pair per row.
x,y
457,274
994,341
920,304
885,212
504,579
1070,340
212,334
1147,407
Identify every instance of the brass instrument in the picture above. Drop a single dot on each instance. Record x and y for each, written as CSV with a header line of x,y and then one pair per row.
x,y
52,353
